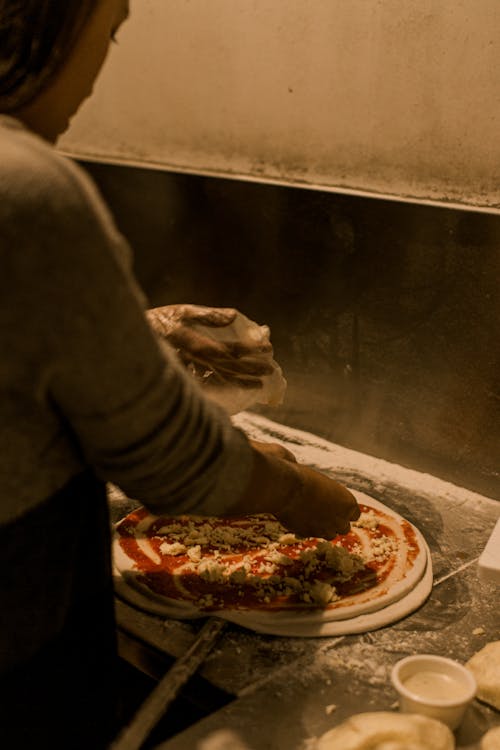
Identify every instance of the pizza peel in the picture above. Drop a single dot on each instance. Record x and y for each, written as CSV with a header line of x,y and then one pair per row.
x,y
161,697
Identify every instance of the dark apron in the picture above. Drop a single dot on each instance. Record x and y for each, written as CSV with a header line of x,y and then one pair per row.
x,y
57,629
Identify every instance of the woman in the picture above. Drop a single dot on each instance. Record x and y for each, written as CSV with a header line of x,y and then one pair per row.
x,y
88,394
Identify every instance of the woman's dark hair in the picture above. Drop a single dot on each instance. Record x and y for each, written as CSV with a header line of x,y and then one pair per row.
x,y
36,37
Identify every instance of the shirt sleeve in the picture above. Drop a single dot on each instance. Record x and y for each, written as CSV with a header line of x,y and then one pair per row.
x,y
122,396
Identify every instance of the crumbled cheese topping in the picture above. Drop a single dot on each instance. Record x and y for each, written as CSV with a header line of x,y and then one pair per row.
x,y
334,556
206,601
211,570
194,553
287,538
383,547
320,593
262,564
175,548
278,558
263,530
367,520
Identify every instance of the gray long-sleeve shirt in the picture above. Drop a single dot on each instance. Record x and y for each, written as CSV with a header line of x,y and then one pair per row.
x,y
83,380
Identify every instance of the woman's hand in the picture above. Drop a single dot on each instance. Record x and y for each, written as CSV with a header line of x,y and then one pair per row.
x,y
307,502
321,507
225,361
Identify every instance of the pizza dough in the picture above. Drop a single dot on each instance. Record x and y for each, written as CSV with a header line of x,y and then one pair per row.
x,y
232,398
485,666
383,730
402,583
222,739
491,740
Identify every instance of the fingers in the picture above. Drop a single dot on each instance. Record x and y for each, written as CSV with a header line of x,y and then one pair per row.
x,y
343,525
216,317
239,349
251,366
209,316
228,350
197,346
323,508
184,314
215,380
355,510
346,509
218,354
206,355
211,378
244,369
242,366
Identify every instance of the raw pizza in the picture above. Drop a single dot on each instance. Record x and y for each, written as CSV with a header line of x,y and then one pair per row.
x,y
254,572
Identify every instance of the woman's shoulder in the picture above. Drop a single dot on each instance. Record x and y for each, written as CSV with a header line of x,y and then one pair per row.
x,y
34,176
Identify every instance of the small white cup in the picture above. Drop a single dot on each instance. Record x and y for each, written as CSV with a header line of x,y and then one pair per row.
x,y
434,686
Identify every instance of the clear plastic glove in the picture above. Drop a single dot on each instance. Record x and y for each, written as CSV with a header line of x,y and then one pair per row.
x,y
230,356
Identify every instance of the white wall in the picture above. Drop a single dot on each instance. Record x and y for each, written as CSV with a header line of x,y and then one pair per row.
x,y
396,97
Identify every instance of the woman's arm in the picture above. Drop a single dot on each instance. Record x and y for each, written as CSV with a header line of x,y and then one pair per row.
x,y
124,399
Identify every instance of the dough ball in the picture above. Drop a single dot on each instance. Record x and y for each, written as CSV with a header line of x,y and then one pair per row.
x,y
485,666
223,739
491,740
384,730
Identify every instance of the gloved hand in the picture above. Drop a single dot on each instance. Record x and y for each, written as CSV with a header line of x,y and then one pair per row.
x,y
219,363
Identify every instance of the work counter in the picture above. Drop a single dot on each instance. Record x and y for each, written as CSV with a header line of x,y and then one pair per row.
x,y
285,692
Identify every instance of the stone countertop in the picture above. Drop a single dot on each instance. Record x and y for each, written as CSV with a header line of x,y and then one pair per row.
x,y
290,690
339,677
